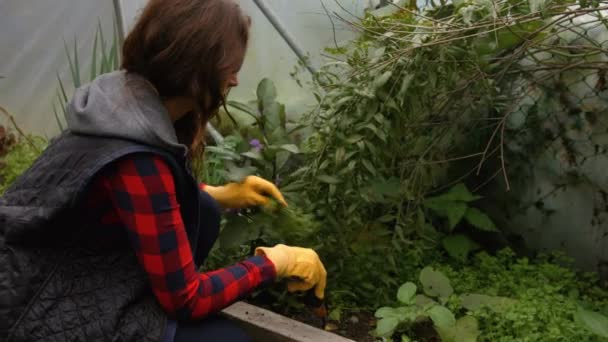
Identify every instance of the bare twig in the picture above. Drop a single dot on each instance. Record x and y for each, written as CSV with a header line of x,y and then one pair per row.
x,y
487,181
21,133
502,155
333,26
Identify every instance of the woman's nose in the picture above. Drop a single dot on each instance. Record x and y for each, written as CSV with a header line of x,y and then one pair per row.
x,y
233,81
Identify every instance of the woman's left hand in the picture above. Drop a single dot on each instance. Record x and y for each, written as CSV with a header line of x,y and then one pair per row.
x,y
253,191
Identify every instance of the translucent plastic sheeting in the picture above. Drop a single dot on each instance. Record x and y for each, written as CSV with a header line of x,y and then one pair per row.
x,y
269,55
32,52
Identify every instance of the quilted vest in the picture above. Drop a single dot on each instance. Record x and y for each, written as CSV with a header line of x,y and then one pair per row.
x,y
61,278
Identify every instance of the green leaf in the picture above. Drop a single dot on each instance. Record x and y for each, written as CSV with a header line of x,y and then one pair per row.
x,y
104,56
278,136
435,283
63,95
115,48
406,293
238,174
422,301
291,148
386,311
381,80
441,316
281,159
405,84
459,246
223,152
94,56
328,179
57,119
253,155
389,188
236,232
340,153
336,314
455,212
272,115
243,108
536,5
266,92
480,220
592,321
386,326
368,166
458,193
466,329
474,302
353,139
73,71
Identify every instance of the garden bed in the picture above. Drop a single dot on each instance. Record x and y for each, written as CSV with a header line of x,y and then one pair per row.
x,y
267,326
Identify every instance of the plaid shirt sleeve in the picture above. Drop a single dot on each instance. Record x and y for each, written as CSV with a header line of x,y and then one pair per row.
x,y
143,196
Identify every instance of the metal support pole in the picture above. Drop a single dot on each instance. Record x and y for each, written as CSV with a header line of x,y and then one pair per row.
x,y
272,18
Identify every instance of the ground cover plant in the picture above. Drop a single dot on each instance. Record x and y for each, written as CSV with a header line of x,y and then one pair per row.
x,y
17,151
500,298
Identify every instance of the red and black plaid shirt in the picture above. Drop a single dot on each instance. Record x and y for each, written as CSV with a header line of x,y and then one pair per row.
x,y
138,192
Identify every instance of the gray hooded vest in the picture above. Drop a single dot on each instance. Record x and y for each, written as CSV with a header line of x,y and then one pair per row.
x,y
61,278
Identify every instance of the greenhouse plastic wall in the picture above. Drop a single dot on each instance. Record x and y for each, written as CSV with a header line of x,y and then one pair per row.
x,y
32,53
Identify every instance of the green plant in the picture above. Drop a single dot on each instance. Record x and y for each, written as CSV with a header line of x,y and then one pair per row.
x,y
454,205
104,58
414,307
266,148
419,102
502,298
528,300
593,321
439,304
19,158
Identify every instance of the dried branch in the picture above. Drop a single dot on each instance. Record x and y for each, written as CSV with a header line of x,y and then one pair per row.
x,y
19,130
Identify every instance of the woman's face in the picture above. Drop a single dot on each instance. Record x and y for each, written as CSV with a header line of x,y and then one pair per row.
x,y
231,82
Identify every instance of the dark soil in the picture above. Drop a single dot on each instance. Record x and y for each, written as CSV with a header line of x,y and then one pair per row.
x,y
424,332
356,326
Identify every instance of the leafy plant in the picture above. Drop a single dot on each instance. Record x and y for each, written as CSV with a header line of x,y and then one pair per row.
x,y
455,206
266,148
104,59
502,298
595,322
419,102
416,307
517,299
19,158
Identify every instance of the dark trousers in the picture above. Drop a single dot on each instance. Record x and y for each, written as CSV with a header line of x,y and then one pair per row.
x,y
214,328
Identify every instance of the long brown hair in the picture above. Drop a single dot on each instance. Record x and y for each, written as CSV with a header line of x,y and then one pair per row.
x,y
188,48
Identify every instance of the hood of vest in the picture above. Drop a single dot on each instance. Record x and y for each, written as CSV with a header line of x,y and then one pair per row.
x,y
124,106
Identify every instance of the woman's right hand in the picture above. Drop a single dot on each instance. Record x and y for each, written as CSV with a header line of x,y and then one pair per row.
x,y
302,266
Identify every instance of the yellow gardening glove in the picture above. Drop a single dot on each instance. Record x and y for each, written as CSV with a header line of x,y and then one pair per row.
x,y
253,191
301,265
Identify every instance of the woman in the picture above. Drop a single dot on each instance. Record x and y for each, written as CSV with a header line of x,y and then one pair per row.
x,y
102,237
